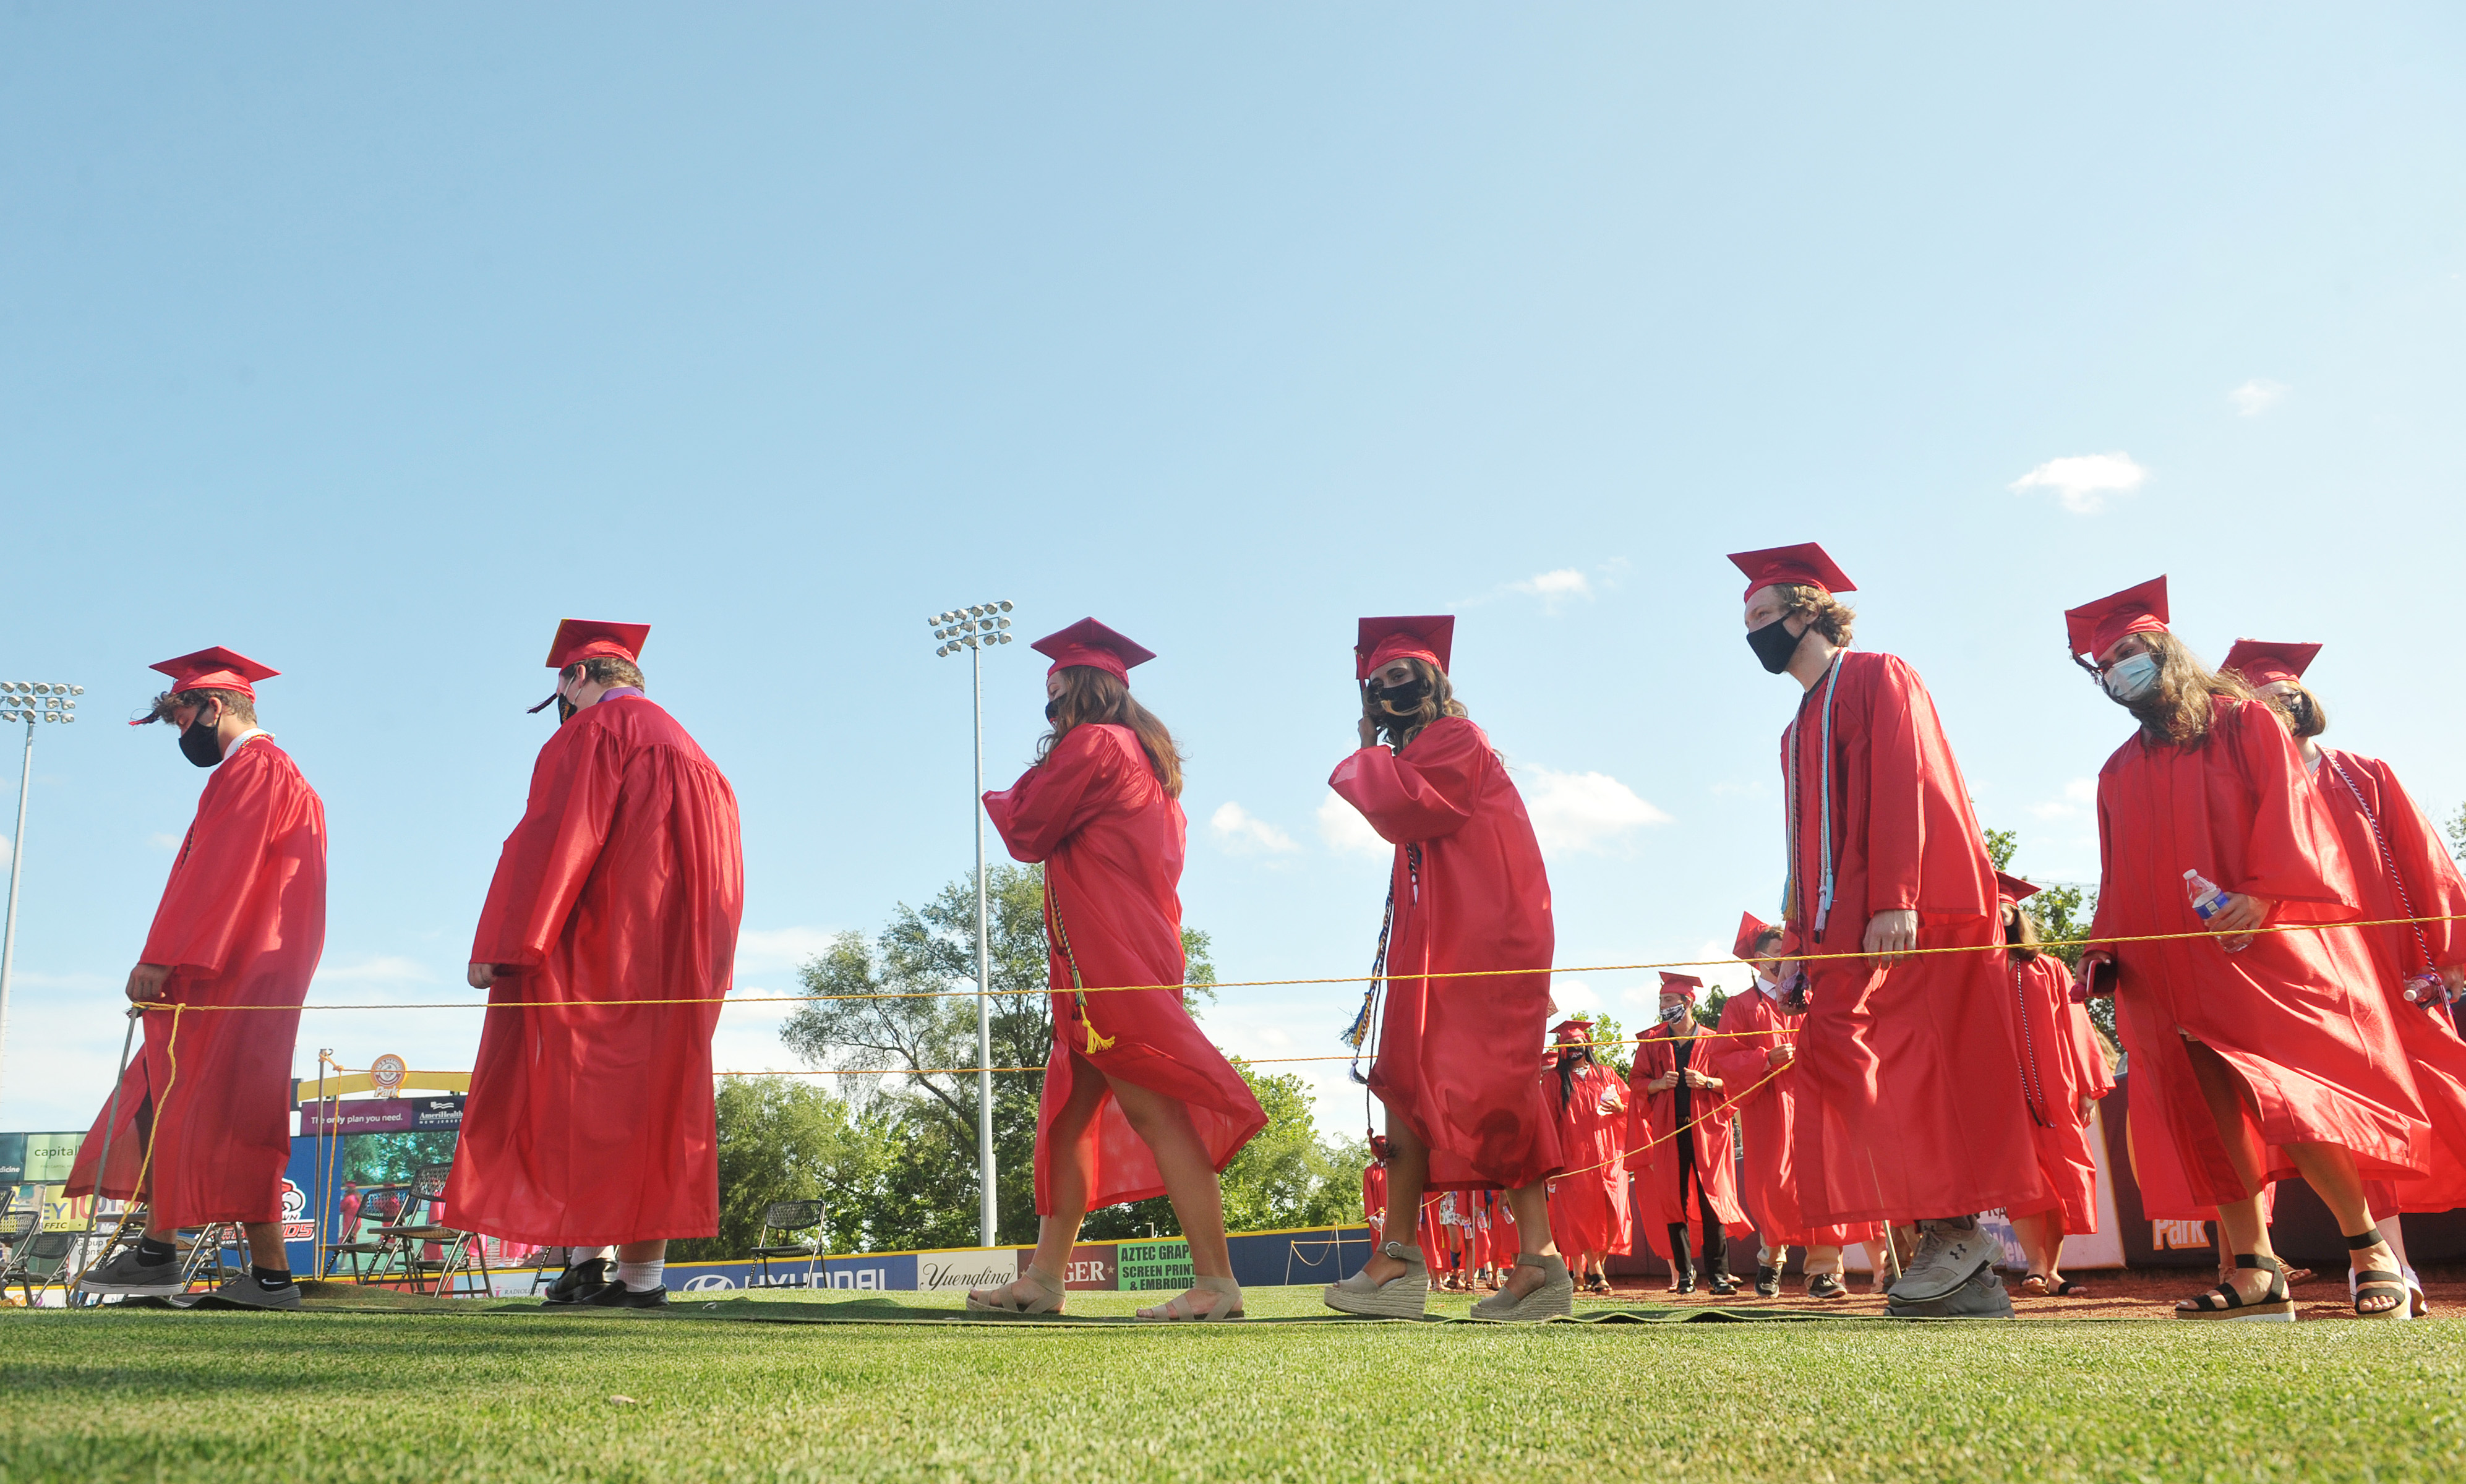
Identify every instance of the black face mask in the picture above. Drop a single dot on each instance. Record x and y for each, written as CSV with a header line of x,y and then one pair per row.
x,y
1404,699
1775,645
564,710
1053,710
199,743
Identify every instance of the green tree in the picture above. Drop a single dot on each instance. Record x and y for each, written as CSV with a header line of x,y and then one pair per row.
x,y
390,1159
782,1139
1286,1176
891,1004
2456,824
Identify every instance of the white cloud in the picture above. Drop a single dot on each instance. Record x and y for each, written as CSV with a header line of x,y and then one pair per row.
x,y
2258,396
1574,996
385,969
1556,589
780,947
1582,811
1245,833
2078,795
2084,481
1343,831
164,842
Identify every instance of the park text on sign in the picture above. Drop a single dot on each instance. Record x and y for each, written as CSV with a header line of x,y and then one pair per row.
x,y
1154,1265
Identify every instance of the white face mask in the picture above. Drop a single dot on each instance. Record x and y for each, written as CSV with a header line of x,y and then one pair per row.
x,y
1672,1014
2127,681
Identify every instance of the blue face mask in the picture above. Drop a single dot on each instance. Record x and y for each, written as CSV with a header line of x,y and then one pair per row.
x,y
2127,681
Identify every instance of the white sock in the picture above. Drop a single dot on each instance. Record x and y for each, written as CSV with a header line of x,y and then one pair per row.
x,y
641,1277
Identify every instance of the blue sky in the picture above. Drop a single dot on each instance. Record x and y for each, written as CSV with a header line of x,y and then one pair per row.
x,y
372,343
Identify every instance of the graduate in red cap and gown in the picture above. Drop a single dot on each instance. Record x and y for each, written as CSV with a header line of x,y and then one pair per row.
x,y
1911,1088
2063,1074
1467,899
2404,871
2254,1055
1756,1059
1681,1136
1589,1214
1137,1102
608,938
200,1124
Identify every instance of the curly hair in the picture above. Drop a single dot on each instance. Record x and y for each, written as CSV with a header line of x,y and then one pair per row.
x,y
1821,612
167,702
1398,728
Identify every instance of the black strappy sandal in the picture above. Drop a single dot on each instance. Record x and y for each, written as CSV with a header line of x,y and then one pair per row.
x,y
2223,1302
2376,1281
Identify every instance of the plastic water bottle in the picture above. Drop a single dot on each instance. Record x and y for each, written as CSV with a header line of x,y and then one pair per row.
x,y
2208,901
2427,989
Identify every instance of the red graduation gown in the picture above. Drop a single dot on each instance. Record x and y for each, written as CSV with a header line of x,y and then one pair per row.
x,y
1769,1107
2060,1065
2296,1014
1110,839
592,1124
1588,1206
1653,1133
243,922
1912,1091
1455,1055
2361,792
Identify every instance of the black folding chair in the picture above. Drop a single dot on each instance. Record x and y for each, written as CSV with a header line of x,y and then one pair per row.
x,y
41,1260
361,1244
458,1252
788,1218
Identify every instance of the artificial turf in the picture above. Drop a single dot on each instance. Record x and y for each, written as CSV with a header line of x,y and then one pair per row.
x,y
462,1394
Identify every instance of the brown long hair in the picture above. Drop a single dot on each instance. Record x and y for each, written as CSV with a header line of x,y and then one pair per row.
x,y
1440,701
2022,935
2302,711
1092,696
2179,708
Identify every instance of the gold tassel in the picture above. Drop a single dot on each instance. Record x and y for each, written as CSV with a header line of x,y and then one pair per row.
x,y
1096,1043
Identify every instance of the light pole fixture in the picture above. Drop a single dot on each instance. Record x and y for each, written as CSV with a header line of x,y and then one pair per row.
x,y
28,701
975,629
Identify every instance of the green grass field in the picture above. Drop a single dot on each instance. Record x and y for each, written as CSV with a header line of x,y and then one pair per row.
x,y
477,1396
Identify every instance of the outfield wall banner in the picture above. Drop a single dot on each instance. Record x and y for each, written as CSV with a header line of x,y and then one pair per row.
x,y
1154,1267
977,1267
12,1159
1093,1266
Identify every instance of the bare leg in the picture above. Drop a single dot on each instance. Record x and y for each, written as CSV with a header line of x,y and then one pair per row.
x,y
1069,1158
2328,1168
2042,1242
642,1252
1532,1207
1190,1181
1408,1173
264,1245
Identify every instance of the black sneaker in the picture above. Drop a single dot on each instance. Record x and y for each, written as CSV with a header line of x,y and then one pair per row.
x,y
579,1283
124,1275
1767,1282
1687,1282
616,1296
1725,1285
1824,1285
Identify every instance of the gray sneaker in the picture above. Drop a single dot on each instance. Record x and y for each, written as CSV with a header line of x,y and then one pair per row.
x,y
244,1293
124,1275
1947,1258
1981,1297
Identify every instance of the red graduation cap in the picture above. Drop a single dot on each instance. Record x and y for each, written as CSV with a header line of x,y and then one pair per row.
x,y
1578,1030
2265,663
1091,643
2094,628
216,668
1680,984
2013,888
1430,636
578,639
1805,562
1750,929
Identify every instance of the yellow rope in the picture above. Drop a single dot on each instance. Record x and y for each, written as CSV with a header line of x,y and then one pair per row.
x,y
1997,946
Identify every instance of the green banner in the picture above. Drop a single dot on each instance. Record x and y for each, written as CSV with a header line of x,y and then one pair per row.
x,y
1154,1265
12,1159
49,1156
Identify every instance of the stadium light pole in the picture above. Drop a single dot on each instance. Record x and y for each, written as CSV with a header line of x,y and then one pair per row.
x,y
977,628
26,701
